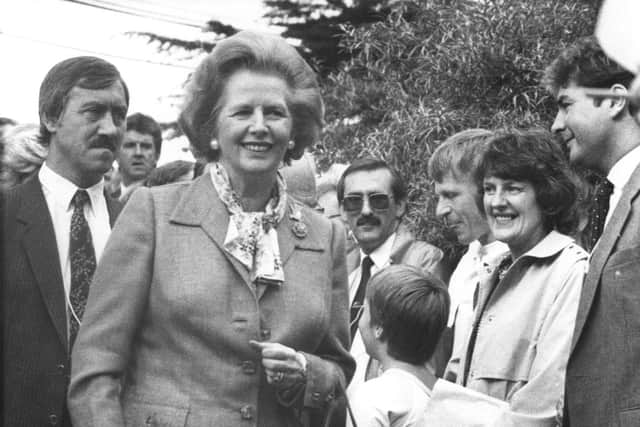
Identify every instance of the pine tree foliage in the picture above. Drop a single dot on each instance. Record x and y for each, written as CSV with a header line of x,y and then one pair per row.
x,y
435,67
319,25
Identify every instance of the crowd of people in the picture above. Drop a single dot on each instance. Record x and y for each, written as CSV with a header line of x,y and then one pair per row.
x,y
239,290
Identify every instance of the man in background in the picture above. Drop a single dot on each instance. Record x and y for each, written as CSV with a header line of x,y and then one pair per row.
x,y
452,167
138,155
372,198
55,226
602,383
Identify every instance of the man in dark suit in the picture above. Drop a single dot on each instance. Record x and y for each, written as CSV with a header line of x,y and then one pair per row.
x,y
603,379
55,227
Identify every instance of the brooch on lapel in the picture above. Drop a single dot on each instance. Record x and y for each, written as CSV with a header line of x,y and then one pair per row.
x,y
298,227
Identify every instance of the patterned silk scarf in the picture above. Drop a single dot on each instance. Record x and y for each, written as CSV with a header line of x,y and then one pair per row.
x,y
251,236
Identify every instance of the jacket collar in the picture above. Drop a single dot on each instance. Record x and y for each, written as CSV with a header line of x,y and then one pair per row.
x,y
553,243
200,206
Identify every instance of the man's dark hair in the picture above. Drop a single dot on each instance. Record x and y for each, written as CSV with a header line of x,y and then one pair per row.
x,y
412,307
585,64
86,72
398,187
146,125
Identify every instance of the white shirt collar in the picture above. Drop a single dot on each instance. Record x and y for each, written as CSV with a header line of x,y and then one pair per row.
x,y
63,190
623,169
381,255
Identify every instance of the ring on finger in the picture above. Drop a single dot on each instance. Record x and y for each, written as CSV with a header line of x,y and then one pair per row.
x,y
278,377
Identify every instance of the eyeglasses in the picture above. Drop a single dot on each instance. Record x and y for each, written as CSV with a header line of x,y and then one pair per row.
x,y
377,201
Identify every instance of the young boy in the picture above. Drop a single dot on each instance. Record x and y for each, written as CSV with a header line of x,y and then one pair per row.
x,y
405,312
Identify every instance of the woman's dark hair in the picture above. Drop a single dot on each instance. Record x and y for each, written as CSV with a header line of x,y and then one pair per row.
x,y
534,156
263,53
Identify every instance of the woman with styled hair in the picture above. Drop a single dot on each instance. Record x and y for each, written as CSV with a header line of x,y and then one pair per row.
x,y
222,301
517,350
22,154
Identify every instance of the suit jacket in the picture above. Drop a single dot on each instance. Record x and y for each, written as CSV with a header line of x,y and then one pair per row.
x,y
406,250
603,375
165,336
36,360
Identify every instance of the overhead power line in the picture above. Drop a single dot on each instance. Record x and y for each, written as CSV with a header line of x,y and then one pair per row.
x,y
94,52
143,12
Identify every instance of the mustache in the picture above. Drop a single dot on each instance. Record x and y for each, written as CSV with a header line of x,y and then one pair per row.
x,y
107,142
368,220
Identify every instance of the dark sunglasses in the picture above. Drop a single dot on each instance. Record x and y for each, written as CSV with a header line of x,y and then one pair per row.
x,y
377,201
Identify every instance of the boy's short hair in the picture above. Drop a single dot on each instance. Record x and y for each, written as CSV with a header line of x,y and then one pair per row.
x,y
412,307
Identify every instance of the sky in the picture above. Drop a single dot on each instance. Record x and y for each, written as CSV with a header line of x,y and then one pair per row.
x,y
36,34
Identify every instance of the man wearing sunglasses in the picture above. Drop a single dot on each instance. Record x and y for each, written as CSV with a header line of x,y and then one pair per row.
x,y
372,198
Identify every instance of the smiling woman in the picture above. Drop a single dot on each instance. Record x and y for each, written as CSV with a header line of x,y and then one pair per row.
x,y
223,300
519,345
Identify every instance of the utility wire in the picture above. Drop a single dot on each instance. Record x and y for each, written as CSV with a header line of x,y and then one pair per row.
x,y
94,52
116,7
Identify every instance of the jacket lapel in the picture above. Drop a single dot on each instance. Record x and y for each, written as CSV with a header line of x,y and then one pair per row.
x,y
294,233
39,242
113,207
401,245
201,207
603,250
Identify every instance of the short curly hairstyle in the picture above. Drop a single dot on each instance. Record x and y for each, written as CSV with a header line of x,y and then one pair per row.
x,y
23,154
585,64
257,52
534,156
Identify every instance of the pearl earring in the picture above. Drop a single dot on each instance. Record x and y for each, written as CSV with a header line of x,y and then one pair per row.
x,y
214,145
291,145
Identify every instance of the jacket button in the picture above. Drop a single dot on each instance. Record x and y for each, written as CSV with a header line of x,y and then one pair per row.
x,y
61,368
265,334
248,367
315,395
246,412
53,419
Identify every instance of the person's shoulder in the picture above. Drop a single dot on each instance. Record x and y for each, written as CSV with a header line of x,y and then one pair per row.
x,y
309,214
313,219
573,251
23,193
409,250
371,398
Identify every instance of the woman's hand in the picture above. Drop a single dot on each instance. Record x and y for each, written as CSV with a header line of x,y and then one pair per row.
x,y
284,367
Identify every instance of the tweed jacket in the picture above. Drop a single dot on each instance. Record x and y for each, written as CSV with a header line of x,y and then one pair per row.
x,y
165,336
603,375
35,363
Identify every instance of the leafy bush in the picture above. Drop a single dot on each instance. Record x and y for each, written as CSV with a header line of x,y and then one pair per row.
x,y
435,67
